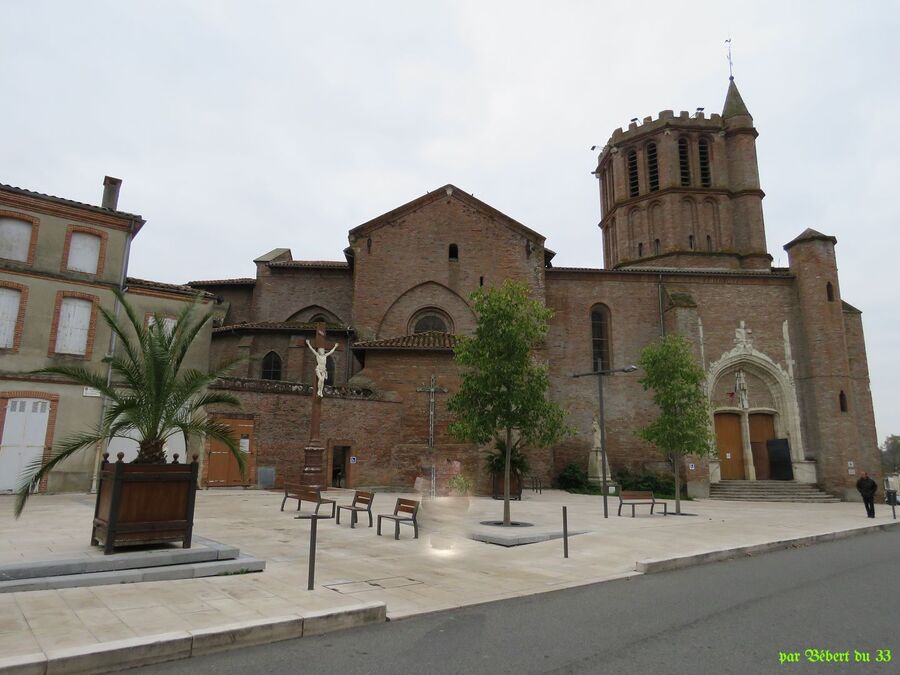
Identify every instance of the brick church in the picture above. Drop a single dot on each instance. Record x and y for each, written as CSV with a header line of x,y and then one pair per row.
x,y
684,251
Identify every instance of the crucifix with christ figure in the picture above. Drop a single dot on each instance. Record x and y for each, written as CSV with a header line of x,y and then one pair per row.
x,y
312,464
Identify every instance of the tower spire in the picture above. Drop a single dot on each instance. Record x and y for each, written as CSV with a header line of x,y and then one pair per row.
x,y
730,62
734,104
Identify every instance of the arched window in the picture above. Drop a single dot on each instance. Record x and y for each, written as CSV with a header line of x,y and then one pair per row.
x,y
842,399
430,322
640,249
705,173
454,252
829,292
656,247
652,167
684,162
691,241
708,243
633,185
319,318
271,367
600,337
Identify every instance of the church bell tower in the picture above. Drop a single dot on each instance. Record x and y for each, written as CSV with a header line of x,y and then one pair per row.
x,y
683,192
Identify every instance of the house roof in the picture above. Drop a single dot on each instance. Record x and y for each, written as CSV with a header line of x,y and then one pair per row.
x,y
311,264
448,191
139,221
290,326
178,289
430,341
243,281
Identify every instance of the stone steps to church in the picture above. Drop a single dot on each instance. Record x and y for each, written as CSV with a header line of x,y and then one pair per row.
x,y
769,491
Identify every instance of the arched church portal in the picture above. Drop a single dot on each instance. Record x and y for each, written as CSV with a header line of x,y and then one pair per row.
x,y
754,415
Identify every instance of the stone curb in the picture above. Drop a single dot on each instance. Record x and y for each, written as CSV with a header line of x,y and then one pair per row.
x,y
144,651
654,565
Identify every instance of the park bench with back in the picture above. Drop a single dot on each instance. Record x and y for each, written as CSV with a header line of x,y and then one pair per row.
x,y
306,493
404,512
362,503
634,498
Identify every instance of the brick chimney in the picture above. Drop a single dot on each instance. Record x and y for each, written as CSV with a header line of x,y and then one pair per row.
x,y
111,192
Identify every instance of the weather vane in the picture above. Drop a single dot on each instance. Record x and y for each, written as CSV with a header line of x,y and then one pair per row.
x,y
730,63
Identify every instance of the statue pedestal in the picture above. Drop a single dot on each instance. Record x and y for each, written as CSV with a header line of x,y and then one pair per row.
x,y
312,466
595,477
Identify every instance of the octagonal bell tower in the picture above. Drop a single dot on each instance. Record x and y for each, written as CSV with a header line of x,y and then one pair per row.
x,y
683,192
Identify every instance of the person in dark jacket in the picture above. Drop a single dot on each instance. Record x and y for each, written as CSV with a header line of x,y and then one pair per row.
x,y
867,488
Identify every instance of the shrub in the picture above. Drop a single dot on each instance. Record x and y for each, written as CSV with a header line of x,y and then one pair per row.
x,y
572,478
459,485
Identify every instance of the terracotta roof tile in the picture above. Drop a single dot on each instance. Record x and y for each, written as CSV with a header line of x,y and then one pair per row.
x,y
314,264
169,288
276,326
432,340
243,281
69,202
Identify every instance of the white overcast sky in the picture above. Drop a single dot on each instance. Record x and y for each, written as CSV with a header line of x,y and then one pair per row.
x,y
239,127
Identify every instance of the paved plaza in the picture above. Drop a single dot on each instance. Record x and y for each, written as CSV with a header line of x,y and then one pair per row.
x,y
443,569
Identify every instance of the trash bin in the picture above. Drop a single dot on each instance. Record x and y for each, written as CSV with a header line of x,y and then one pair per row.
x,y
892,497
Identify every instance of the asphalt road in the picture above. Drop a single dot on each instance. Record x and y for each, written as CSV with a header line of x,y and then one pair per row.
x,y
738,616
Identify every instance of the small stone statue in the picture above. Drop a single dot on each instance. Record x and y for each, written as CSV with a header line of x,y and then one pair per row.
x,y
321,365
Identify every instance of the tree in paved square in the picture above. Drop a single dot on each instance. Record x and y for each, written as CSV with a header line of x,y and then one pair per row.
x,y
503,395
677,381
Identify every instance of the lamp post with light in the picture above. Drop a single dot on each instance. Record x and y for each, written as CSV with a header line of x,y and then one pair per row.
x,y
599,375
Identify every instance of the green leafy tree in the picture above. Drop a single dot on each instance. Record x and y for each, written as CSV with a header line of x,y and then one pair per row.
x,y
890,454
682,426
503,395
151,396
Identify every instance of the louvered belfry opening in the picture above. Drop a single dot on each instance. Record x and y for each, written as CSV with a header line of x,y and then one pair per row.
x,y
633,184
684,162
705,172
652,167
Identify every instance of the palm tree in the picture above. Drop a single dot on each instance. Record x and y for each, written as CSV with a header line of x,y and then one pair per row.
x,y
150,398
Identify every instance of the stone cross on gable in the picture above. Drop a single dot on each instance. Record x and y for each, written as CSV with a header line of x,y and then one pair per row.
x,y
742,336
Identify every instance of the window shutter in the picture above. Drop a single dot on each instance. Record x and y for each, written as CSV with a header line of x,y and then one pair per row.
x,y
15,239
84,252
168,323
9,314
74,324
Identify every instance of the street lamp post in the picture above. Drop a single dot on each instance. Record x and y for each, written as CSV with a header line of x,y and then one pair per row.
x,y
599,375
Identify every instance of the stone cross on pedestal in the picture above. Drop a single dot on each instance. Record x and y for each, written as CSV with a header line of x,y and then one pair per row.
x,y
314,450
431,391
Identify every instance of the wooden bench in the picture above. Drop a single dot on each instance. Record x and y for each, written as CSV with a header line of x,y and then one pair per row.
x,y
362,503
404,512
634,498
306,493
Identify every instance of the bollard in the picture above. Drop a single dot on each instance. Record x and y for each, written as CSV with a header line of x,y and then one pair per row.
x,y
565,534
313,527
311,580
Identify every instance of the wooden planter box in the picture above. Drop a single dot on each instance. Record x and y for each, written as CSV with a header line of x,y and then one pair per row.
x,y
515,486
141,504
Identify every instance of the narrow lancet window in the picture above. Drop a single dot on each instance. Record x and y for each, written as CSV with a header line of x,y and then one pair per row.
x,y
652,167
633,185
705,173
684,162
600,338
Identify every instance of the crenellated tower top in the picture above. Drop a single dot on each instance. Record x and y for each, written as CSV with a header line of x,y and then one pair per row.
x,y
683,191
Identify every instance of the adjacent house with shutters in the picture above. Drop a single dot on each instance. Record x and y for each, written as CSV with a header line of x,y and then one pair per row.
x,y
60,261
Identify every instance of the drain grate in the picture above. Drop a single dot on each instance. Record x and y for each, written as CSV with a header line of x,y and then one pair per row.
x,y
372,584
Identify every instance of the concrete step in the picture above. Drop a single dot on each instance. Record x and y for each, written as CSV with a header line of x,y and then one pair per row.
x,y
242,564
202,550
769,491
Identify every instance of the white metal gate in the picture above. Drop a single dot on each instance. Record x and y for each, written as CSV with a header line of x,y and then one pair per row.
x,y
24,434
